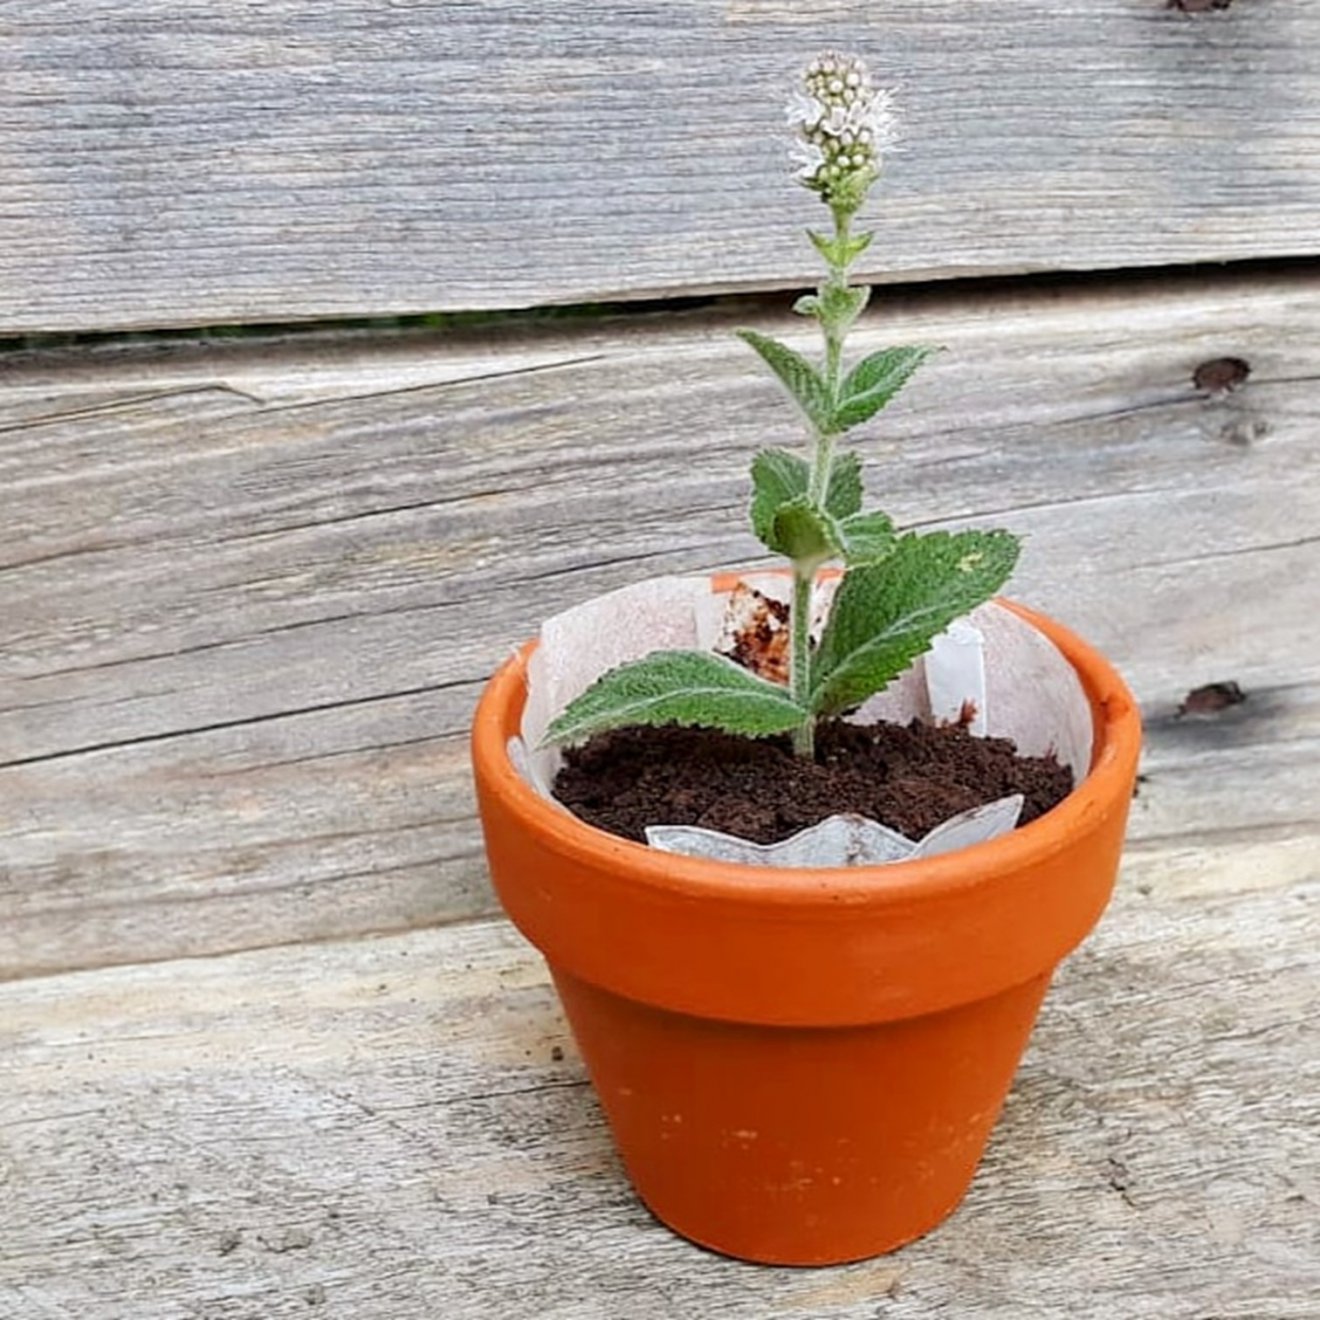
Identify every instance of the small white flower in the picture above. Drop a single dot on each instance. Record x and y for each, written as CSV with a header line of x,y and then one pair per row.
x,y
881,120
809,158
803,112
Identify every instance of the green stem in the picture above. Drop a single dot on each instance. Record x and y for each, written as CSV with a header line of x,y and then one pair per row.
x,y
834,330
821,460
799,659
838,279
822,456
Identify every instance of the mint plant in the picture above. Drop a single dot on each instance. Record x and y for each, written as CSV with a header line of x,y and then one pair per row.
x,y
898,592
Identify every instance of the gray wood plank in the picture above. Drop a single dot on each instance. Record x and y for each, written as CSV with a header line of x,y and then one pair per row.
x,y
399,1129
248,595
171,162
360,819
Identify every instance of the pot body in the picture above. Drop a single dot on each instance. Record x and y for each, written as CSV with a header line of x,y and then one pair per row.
x,y
803,1066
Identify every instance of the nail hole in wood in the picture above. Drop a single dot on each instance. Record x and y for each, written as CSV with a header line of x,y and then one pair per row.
x,y
1212,698
1221,375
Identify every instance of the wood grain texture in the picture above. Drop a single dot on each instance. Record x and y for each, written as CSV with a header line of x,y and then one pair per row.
x,y
399,1129
182,163
248,595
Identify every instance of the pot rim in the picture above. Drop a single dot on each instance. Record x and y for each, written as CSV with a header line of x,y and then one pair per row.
x,y
1117,739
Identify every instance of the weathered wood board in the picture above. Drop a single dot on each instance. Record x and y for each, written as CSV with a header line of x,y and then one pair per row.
x,y
248,595
263,1051
183,163
399,1129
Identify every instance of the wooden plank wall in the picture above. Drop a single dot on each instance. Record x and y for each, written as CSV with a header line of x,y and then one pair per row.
x,y
264,1044
256,588
177,162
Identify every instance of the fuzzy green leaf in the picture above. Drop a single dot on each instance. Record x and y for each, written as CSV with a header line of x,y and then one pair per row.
x,y
874,381
887,614
678,687
857,244
780,478
796,374
866,538
840,307
837,254
807,305
843,495
826,245
807,535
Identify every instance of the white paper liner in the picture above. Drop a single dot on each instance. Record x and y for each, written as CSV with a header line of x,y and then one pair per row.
x,y
955,677
855,839
993,663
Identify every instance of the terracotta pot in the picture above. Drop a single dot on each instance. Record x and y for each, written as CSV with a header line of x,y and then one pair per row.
x,y
803,1066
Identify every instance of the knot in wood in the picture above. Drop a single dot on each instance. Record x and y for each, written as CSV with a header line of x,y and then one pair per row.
x,y
1221,375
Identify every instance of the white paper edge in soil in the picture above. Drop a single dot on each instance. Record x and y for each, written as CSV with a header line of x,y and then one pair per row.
x,y
855,839
955,677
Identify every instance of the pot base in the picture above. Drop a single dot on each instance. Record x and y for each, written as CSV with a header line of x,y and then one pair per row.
x,y
798,1261
799,1145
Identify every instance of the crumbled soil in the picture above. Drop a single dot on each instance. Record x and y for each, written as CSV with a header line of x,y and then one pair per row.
x,y
910,778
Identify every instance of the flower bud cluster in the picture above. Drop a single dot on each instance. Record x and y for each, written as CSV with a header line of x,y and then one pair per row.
x,y
843,124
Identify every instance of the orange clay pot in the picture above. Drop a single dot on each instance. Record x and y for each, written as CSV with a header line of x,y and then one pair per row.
x,y
802,1067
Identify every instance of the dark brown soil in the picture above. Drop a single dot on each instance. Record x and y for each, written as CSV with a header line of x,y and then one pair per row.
x,y
909,778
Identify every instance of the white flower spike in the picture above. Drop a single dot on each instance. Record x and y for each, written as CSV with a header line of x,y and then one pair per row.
x,y
844,126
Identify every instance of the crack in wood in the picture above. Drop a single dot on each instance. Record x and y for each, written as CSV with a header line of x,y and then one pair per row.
x,y
439,385
1033,506
133,543
1232,553
475,920
364,515
575,1084
203,895
365,749
612,561
121,405
219,645
166,735
1275,832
